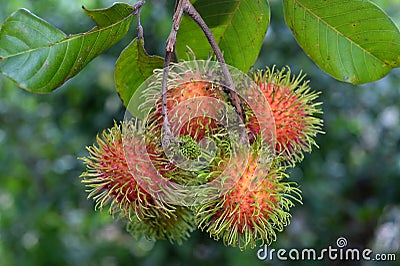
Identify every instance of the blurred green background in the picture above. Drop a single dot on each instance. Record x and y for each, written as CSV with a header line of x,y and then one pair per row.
x,y
351,184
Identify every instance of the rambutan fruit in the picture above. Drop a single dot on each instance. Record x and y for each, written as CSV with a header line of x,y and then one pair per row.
x,y
246,216
175,227
110,181
193,100
237,189
199,112
198,109
202,120
294,109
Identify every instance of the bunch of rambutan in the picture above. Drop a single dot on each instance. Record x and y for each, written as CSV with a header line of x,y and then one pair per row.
x,y
219,174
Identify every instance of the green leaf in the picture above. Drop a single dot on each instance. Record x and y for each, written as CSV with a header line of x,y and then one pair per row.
x,y
239,27
133,67
40,58
352,40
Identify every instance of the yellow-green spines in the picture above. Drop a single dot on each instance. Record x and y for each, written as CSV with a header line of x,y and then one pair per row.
x,y
249,216
110,181
295,110
189,147
175,228
207,177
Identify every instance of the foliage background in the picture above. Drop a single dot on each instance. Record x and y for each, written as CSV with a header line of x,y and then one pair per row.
x,y
351,185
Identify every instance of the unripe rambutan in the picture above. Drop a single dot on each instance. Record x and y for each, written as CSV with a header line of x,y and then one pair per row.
x,y
247,216
294,109
189,148
110,181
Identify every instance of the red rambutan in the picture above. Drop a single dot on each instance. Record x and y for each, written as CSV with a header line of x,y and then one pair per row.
x,y
294,109
244,216
238,190
110,181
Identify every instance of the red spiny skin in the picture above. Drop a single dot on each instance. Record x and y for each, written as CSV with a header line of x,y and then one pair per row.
x,y
157,157
190,111
288,113
200,118
244,206
189,90
115,173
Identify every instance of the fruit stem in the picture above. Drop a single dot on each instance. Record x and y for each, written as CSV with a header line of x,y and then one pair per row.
x,y
138,7
190,10
169,55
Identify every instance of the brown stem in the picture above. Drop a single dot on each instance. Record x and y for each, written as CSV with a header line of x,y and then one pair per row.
x,y
192,12
169,55
178,14
168,137
138,7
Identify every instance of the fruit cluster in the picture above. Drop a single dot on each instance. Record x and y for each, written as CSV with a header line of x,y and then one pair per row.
x,y
131,170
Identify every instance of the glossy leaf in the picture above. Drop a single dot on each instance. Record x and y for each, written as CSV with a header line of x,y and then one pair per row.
x,y
133,67
239,27
40,57
352,40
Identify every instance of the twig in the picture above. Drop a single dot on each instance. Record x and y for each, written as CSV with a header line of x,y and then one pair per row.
x,y
169,55
178,14
138,7
192,12
168,137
